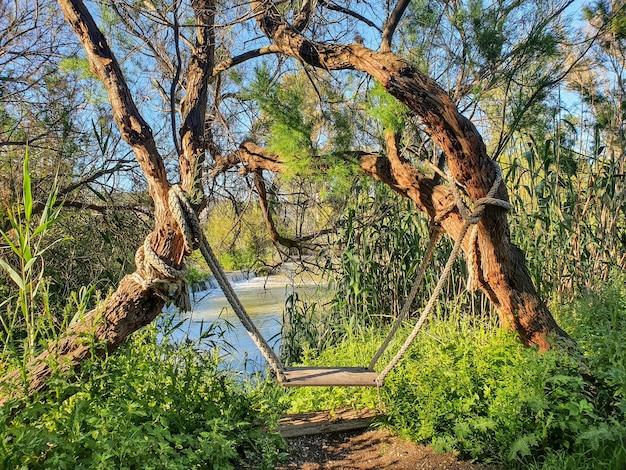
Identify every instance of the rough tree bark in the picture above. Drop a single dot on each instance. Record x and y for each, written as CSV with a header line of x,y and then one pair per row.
x,y
500,265
131,306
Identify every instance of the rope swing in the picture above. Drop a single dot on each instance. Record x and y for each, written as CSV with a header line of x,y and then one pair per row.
x,y
167,282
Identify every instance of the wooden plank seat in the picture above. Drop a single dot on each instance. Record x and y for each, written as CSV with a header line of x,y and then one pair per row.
x,y
329,376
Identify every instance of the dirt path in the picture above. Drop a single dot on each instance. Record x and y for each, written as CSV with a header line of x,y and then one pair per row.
x,y
367,449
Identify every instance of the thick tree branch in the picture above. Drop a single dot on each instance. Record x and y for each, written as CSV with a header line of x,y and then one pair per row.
x,y
135,131
133,304
241,58
398,173
455,134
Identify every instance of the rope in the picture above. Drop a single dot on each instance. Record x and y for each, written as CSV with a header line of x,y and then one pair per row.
x,y
473,264
470,219
435,234
194,237
431,303
154,274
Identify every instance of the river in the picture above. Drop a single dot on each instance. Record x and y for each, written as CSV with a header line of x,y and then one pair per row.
x,y
263,298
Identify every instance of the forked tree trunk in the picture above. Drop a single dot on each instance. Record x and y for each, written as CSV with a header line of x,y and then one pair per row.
x,y
132,306
501,267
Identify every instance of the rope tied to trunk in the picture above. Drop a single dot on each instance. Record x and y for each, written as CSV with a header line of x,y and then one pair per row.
x,y
169,283
473,218
194,238
153,273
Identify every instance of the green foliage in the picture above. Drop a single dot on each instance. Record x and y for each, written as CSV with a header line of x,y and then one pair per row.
x,y
608,14
290,131
308,123
302,329
472,389
568,219
153,405
195,273
27,315
389,111
598,321
487,24
76,65
488,397
237,233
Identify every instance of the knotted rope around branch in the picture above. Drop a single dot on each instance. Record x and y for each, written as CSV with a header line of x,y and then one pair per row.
x,y
153,273
470,219
473,218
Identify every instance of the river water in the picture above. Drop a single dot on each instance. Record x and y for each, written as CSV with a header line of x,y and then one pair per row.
x,y
263,298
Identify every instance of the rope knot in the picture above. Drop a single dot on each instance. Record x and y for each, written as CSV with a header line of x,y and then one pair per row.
x,y
473,262
153,272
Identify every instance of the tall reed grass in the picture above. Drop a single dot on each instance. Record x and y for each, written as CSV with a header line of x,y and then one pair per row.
x,y
26,318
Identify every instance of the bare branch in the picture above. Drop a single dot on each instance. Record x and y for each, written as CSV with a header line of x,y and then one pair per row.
x,y
228,63
392,24
353,14
276,237
101,208
135,130
174,85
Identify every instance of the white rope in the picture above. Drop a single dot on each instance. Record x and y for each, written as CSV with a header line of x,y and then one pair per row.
x,y
431,303
434,237
470,219
153,273
194,237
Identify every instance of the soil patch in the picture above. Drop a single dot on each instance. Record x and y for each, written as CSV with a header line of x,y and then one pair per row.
x,y
370,449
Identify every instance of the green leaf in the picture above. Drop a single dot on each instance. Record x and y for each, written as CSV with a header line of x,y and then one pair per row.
x,y
98,194
30,263
13,273
10,243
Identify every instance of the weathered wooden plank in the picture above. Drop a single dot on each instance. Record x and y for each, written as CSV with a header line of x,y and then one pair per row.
x,y
329,376
320,422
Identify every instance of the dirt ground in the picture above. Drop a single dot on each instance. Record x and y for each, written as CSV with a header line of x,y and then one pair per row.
x,y
367,449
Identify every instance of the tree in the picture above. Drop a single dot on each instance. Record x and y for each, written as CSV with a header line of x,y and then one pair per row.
x,y
499,265
52,107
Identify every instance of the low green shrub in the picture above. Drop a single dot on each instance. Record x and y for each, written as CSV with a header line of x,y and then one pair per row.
x,y
488,398
477,391
151,405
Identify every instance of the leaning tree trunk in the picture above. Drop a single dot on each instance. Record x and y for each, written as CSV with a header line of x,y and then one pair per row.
x,y
134,303
500,265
